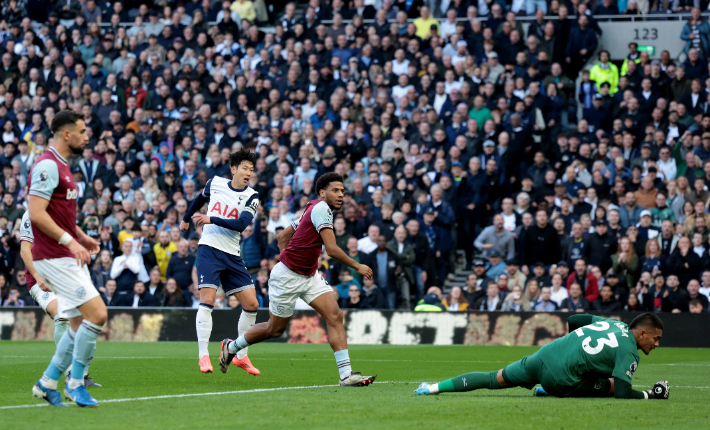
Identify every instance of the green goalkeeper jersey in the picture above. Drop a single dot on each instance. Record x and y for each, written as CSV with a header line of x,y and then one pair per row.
x,y
604,348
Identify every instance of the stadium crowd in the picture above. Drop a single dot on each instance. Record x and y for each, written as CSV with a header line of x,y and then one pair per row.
x,y
452,134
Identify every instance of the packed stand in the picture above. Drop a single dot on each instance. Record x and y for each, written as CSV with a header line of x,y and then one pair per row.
x,y
451,135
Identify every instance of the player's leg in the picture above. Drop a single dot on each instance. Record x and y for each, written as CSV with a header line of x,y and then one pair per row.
x,y
46,387
203,323
284,288
322,299
522,373
209,268
48,302
247,318
236,280
274,327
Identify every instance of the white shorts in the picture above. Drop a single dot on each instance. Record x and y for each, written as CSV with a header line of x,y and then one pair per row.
x,y
71,283
286,286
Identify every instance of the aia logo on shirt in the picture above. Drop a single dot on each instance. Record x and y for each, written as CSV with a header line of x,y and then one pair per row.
x,y
225,212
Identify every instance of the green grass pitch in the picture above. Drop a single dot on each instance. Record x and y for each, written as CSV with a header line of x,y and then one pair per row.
x,y
240,401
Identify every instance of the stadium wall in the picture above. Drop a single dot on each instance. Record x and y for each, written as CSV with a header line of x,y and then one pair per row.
x,y
363,327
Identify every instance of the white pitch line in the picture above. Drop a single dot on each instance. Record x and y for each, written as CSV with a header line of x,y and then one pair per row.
x,y
257,390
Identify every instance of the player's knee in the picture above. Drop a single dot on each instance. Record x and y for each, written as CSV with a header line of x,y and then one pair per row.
x,y
251,305
207,301
276,331
335,317
100,317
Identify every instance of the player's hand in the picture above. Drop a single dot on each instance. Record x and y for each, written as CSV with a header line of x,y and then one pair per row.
x,y
364,271
42,285
660,391
92,245
184,226
80,252
201,220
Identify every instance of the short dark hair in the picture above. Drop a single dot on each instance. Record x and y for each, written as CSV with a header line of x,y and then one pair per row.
x,y
646,320
241,155
325,180
65,118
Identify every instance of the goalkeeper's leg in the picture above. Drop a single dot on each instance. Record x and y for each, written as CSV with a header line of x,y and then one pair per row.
x,y
513,375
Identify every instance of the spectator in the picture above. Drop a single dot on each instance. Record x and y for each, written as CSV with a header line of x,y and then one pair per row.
x,y
13,298
514,301
372,295
406,257
180,266
353,301
558,291
586,281
127,269
576,302
606,301
384,264
346,280
139,298
492,301
455,301
544,304
496,266
696,33
540,243
101,271
601,246
173,296
369,243
693,293
683,263
625,262
496,238
163,250
431,302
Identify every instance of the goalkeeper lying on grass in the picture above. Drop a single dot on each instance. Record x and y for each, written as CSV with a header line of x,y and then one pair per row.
x,y
597,358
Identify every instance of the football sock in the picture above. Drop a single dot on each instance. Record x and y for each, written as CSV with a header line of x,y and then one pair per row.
x,y
234,346
246,320
342,359
84,347
467,382
204,328
61,325
61,360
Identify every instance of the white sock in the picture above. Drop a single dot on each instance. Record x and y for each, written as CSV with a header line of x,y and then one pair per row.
x,y
342,359
246,320
433,388
73,383
204,328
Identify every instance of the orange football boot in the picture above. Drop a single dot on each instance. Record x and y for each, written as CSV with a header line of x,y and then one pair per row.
x,y
245,364
205,364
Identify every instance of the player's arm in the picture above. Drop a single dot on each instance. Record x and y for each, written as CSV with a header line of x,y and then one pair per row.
x,y
26,255
285,236
196,205
45,178
623,390
339,255
239,224
577,321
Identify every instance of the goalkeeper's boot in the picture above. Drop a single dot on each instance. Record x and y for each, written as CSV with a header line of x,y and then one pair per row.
x,y
355,379
88,382
540,392
51,396
206,364
245,364
225,357
80,396
423,390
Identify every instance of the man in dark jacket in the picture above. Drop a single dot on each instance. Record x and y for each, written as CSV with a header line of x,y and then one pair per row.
x,y
606,301
138,299
600,247
180,266
384,263
581,44
541,242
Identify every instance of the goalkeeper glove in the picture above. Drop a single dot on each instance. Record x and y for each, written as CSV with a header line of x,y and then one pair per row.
x,y
660,391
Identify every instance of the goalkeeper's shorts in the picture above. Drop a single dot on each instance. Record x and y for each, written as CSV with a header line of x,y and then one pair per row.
x,y
530,371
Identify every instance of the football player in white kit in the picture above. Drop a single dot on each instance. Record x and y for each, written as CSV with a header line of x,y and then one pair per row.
x,y
231,207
